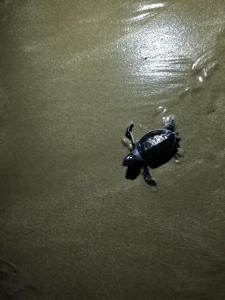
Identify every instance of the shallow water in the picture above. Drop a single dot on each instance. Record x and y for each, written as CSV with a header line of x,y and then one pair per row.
x,y
73,75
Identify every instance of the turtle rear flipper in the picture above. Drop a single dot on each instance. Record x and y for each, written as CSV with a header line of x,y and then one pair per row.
x,y
170,123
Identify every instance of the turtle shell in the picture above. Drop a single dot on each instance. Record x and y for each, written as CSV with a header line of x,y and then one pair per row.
x,y
157,147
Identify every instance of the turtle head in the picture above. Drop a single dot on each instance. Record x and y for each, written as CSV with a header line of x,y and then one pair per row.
x,y
134,163
170,123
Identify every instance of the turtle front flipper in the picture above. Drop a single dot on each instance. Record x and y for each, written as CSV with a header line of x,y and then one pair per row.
x,y
127,143
148,177
129,134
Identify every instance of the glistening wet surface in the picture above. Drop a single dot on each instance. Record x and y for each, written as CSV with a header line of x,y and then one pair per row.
x,y
73,75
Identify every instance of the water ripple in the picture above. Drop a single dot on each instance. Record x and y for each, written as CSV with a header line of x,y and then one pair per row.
x,y
142,11
152,6
204,65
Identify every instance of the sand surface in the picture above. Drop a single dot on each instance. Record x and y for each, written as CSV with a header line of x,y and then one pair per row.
x,y
73,74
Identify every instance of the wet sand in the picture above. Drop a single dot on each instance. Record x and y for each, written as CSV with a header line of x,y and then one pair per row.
x,y
73,75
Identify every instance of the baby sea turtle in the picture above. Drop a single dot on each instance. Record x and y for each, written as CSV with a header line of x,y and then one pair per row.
x,y
154,149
